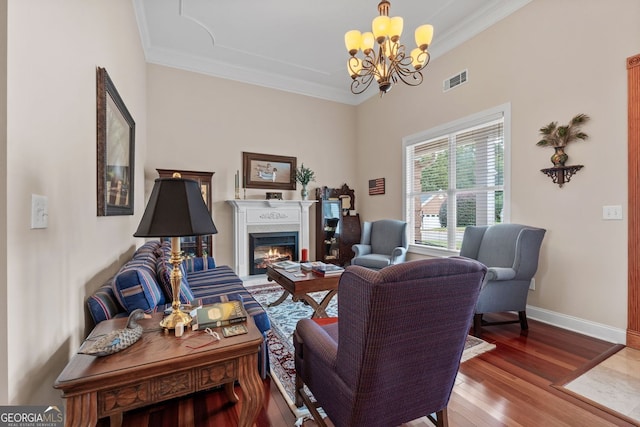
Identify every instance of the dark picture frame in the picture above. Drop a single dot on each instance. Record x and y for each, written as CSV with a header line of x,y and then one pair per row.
x,y
269,171
116,132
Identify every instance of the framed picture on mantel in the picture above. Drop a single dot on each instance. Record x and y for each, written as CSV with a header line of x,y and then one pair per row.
x,y
269,171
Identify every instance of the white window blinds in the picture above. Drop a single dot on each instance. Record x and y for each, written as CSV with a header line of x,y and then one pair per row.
x,y
455,179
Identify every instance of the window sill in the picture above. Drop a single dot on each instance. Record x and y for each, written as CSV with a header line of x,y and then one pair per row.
x,y
432,251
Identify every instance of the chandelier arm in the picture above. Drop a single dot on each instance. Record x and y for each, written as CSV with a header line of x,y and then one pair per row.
x,y
351,63
400,67
411,78
360,84
369,67
365,77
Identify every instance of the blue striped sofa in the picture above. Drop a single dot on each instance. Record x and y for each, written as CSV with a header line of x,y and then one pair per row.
x,y
143,282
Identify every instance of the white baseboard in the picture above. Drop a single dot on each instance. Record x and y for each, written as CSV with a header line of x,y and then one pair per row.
x,y
586,327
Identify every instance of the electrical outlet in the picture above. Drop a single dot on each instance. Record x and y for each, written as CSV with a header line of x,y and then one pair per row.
x,y
613,212
532,284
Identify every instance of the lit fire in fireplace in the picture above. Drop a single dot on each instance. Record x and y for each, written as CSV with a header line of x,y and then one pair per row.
x,y
268,248
264,257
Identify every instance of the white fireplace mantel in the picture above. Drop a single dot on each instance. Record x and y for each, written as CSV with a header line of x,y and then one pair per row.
x,y
251,216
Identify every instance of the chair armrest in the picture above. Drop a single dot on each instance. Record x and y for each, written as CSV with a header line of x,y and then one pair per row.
x,y
317,343
359,249
500,273
398,255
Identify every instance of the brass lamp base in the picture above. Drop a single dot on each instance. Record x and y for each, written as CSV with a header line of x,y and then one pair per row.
x,y
174,318
176,315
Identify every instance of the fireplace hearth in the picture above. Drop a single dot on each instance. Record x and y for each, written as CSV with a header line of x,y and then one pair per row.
x,y
268,248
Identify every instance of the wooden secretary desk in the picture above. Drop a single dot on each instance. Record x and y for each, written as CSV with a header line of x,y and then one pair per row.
x,y
195,245
336,229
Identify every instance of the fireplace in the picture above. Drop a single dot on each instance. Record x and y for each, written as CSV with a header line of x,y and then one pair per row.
x,y
267,216
267,248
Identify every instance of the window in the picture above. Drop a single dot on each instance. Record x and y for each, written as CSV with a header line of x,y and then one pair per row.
x,y
455,176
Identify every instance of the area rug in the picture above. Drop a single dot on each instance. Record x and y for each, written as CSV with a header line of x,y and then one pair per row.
x,y
280,338
610,382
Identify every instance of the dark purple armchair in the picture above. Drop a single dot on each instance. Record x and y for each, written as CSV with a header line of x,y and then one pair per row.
x,y
394,354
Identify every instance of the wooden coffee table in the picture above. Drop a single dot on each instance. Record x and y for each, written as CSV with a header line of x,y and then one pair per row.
x,y
159,367
299,287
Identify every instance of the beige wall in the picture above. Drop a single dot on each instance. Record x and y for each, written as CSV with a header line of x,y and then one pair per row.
x,y
203,123
550,60
53,50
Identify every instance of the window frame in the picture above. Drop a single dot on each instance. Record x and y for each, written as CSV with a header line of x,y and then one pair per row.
x,y
501,111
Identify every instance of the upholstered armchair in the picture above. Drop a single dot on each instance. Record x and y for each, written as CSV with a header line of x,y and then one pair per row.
x,y
394,354
511,252
383,243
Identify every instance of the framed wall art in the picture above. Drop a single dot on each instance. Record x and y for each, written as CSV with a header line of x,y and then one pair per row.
x,y
269,171
116,150
376,186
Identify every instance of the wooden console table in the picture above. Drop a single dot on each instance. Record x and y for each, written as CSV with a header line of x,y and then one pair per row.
x,y
159,367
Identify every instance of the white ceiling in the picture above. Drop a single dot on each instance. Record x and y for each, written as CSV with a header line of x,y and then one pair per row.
x,y
295,45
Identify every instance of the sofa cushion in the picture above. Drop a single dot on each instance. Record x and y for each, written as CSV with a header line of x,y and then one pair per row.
x,y
103,304
136,288
148,248
198,264
164,268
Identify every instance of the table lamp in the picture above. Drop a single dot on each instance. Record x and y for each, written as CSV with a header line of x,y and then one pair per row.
x,y
175,209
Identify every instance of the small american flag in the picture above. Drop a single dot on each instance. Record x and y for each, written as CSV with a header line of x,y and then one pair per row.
x,y
376,186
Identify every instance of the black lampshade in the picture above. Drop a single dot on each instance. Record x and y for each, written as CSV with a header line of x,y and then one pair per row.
x,y
175,209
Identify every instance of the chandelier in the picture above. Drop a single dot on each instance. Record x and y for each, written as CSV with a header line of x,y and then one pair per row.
x,y
387,62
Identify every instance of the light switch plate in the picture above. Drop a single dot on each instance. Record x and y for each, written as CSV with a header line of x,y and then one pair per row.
x,y
39,211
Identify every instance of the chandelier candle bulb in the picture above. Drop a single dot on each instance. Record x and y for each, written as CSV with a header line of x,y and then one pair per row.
x,y
424,36
352,41
354,66
415,58
396,28
380,27
367,42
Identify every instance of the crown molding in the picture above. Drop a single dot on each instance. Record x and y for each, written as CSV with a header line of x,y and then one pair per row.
x,y
445,42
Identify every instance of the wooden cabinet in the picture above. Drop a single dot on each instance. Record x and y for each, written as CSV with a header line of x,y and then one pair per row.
x,y
336,229
350,235
195,245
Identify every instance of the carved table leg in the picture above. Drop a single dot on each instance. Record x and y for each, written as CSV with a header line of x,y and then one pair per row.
x,y
82,410
115,420
252,390
324,303
280,300
231,392
319,310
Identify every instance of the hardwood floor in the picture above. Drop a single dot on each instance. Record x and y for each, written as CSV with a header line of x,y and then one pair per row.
x,y
512,385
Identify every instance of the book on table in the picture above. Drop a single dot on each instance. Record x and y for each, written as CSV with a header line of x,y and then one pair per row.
x,y
219,314
309,265
233,330
287,265
328,270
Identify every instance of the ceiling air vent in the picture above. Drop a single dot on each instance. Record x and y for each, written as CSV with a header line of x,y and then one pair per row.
x,y
454,81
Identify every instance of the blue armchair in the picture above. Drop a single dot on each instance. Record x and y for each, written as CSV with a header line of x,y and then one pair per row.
x,y
511,253
383,243
394,354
